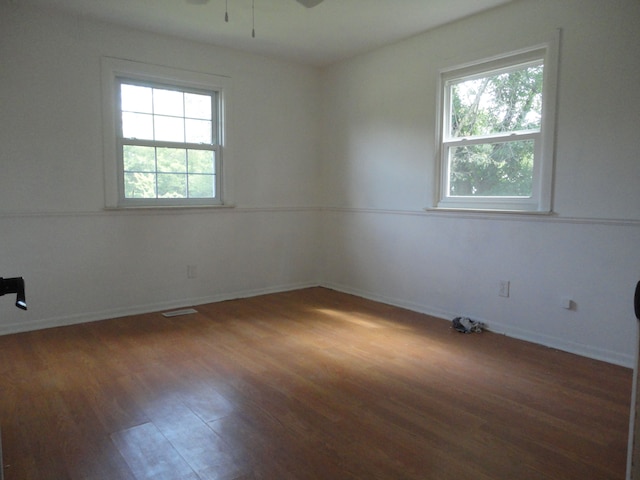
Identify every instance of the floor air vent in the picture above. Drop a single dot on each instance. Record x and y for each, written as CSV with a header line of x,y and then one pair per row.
x,y
177,313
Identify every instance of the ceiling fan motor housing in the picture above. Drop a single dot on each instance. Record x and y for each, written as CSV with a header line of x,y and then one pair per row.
x,y
309,3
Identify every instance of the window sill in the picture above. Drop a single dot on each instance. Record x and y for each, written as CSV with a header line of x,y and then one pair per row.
x,y
487,211
169,207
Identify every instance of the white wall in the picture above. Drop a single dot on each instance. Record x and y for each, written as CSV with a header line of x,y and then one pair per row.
x,y
81,262
379,175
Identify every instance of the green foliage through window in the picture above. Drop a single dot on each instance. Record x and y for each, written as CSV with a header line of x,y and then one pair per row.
x,y
156,172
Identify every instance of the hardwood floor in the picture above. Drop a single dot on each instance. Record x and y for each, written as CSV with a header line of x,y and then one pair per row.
x,y
311,384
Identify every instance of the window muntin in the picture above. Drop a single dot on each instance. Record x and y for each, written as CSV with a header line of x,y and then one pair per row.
x,y
168,147
496,133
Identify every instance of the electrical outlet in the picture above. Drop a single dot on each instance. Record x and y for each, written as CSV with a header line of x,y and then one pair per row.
x,y
504,288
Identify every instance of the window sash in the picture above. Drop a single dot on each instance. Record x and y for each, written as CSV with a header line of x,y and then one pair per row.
x,y
454,80
215,111
497,202
508,202
157,200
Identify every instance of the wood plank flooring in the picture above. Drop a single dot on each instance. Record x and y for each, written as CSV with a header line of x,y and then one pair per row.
x,y
312,384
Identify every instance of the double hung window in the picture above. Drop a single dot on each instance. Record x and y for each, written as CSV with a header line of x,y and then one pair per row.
x,y
167,134
496,134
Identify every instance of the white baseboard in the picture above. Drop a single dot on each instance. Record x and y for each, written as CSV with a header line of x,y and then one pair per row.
x,y
588,351
148,308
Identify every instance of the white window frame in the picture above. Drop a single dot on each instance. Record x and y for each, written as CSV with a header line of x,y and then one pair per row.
x,y
541,199
114,71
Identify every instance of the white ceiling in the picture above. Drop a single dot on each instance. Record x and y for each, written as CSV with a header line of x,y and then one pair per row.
x,y
327,33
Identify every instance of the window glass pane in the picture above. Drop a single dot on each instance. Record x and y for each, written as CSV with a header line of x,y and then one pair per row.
x,y
135,98
172,160
172,185
168,102
492,169
198,131
201,161
504,102
169,129
139,185
197,106
138,159
137,125
202,186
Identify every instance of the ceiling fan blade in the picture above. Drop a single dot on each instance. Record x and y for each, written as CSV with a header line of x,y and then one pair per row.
x,y
309,3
